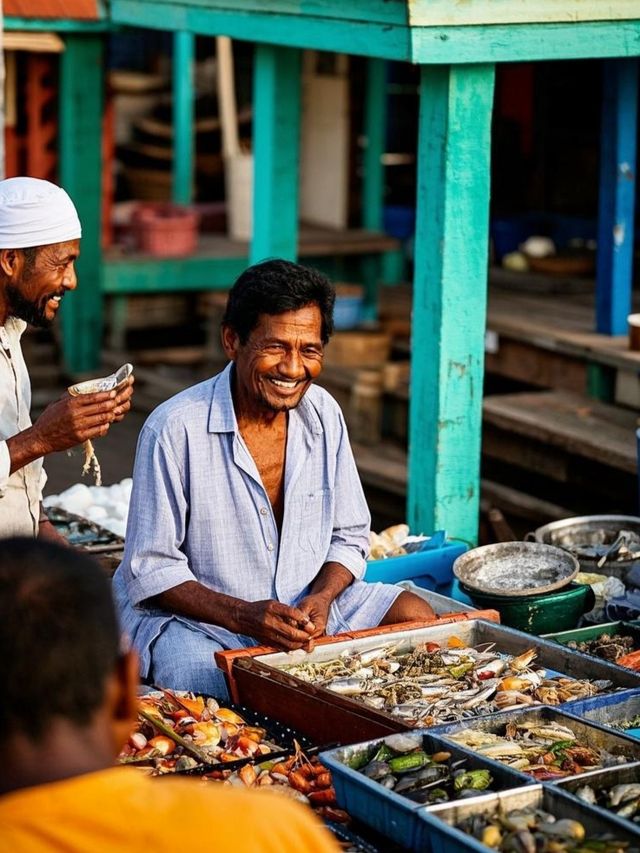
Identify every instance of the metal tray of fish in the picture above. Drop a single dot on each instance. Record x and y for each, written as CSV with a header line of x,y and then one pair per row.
x,y
439,832
387,812
617,711
615,790
297,682
519,731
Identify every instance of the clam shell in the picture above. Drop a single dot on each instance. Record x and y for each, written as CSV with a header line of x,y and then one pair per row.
x,y
107,383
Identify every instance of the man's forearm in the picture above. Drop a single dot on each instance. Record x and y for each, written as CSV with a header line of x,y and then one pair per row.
x,y
331,580
195,601
24,447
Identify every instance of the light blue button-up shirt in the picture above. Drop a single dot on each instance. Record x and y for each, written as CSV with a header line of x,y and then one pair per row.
x,y
199,510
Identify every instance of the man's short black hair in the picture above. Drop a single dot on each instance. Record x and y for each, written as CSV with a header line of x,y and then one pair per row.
x,y
59,636
273,287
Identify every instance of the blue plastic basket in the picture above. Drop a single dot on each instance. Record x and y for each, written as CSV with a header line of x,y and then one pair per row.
x,y
610,709
431,569
391,814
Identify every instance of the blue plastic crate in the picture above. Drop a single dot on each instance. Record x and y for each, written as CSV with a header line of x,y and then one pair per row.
x,y
431,569
390,814
610,709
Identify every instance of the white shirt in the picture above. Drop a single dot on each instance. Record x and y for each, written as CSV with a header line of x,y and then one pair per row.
x,y
20,492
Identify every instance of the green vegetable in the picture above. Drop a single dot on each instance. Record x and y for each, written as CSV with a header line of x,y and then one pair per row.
x,y
385,752
359,759
560,745
460,669
477,780
407,763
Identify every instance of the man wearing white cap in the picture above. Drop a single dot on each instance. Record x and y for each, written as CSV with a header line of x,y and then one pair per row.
x,y
39,244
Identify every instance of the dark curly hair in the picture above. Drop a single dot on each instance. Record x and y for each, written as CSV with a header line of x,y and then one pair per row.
x,y
59,636
273,287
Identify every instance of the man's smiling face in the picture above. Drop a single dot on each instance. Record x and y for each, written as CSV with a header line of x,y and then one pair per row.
x,y
40,280
279,361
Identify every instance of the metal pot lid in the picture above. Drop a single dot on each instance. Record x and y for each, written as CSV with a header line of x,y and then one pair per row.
x,y
516,568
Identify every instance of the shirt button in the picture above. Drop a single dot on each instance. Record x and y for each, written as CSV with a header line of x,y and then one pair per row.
x,y
263,510
270,546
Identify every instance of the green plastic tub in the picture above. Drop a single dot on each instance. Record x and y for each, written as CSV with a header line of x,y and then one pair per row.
x,y
538,614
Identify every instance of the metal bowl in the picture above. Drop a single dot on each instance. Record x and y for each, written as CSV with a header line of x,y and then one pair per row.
x,y
587,537
516,568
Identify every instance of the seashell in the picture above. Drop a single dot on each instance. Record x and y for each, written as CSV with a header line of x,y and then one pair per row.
x,y
106,383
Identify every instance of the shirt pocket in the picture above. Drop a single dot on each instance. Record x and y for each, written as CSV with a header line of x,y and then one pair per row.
x,y
315,520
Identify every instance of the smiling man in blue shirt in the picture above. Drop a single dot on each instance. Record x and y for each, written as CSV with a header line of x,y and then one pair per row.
x,y
247,522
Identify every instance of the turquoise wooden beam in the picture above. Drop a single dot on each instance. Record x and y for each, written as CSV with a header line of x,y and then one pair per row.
x,y
375,123
276,152
80,171
618,151
365,37
183,115
450,294
59,25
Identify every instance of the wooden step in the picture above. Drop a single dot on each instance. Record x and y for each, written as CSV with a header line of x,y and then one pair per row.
x,y
566,422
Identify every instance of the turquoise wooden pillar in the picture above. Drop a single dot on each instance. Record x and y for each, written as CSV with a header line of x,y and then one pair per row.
x,y
617,195
276,148
183,108
375,122
450,293
80,173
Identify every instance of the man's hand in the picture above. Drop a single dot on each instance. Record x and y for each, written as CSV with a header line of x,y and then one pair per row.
x,y
72,420
316,607
275,624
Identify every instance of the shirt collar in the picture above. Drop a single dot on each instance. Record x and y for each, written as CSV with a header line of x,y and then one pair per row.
x,y
222,416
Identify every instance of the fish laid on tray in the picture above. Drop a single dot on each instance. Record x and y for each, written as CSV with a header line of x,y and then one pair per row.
x,y
180,731
536,831
297,776
439,683
544,750
401,765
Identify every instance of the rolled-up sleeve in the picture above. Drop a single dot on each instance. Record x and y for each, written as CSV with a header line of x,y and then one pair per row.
x,y
351,520
5,467
154,560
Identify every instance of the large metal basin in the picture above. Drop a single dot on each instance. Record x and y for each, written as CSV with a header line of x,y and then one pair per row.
x,y
579,535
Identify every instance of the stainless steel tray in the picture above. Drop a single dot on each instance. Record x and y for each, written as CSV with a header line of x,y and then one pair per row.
x,y
438,832
551,656
591,734
607,778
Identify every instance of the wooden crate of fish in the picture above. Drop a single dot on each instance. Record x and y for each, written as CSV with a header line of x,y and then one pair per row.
x,y
543,743
179,732
616,790
617,642
537,819
617,711
386,782
425,677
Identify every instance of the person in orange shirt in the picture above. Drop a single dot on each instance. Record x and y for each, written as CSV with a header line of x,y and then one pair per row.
x,y
68,705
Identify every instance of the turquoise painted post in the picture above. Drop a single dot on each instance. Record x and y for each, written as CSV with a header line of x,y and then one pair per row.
x,y
450,294
80,173
617,195
276,150
183,107
375,123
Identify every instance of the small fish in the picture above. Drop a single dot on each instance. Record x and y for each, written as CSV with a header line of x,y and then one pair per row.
x,y
347,686
623,793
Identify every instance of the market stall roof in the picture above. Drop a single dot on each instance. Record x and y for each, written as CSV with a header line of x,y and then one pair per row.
x,y
420,31
89,10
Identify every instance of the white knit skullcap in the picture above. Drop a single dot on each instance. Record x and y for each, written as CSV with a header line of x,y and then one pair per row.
x,y
35,213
